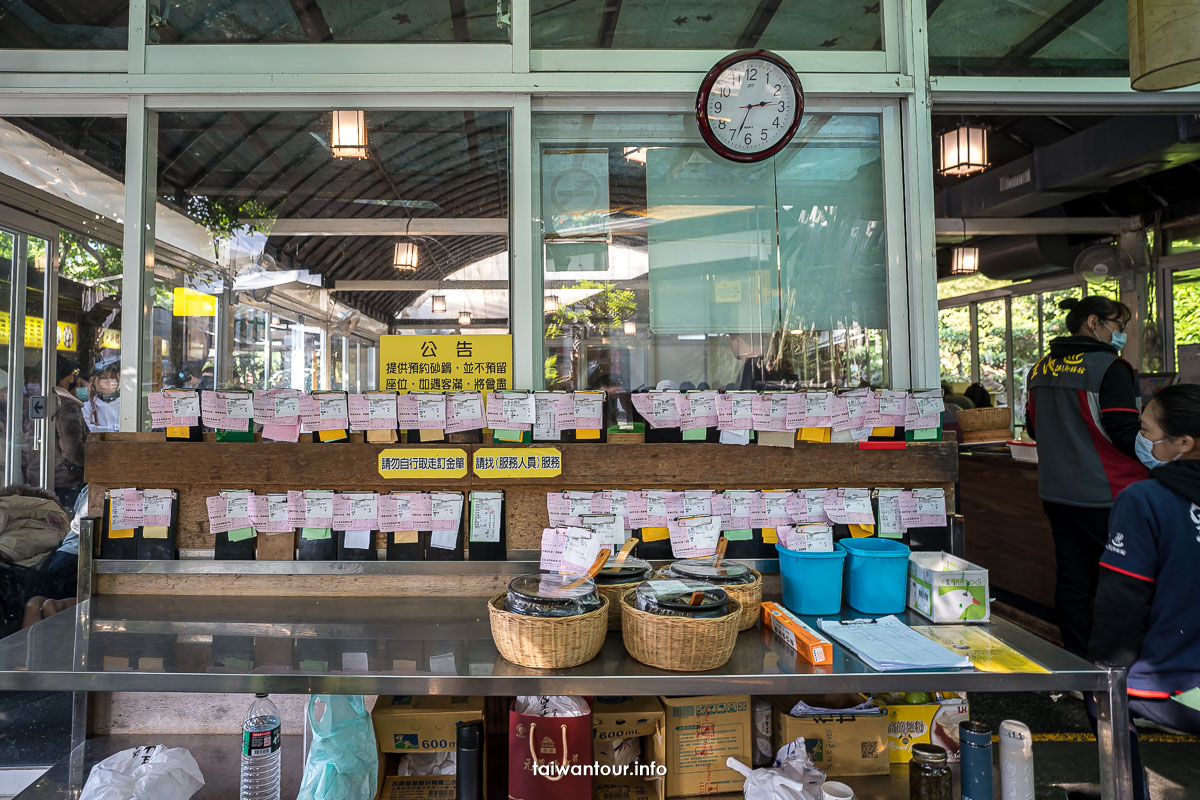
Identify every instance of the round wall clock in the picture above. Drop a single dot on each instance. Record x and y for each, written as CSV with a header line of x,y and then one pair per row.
x,y
749,105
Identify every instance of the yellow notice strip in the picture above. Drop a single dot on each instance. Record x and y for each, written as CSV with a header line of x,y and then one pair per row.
x,y
986,652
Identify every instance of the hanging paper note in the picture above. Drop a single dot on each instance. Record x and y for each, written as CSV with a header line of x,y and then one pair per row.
x,y
218,516
510,411
588,410
354,511
769,412
237,509
318,509
808,538
609,528
739,509
372,411
637,507
656,509
273,513
445,510
931,507
171,409
213,407
125,509
431,411
775,508
157,507
464,412
697,502
545,417
277,407
893,407
486,514
797,408
569,550
819,410
324,411
890,523
924,410
702,409
558,509
692,537
389,514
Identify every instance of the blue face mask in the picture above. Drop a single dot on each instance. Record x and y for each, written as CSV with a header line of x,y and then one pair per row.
x,y
1145,452
1119,339
82,394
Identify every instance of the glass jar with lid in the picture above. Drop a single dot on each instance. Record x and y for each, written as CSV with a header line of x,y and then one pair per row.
x,y
929,776
682,597
725,573
549,596
631,570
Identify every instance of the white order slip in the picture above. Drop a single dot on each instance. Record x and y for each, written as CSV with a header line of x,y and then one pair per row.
x,y
887,644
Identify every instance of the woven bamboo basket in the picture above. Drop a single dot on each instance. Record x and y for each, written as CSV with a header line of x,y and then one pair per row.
x,y
748,594
613,592
678,643
548,642
985,419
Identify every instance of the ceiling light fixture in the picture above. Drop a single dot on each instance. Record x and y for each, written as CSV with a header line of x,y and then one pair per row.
x,y
439,303
349,137
965,262
963,150
464,318
404,257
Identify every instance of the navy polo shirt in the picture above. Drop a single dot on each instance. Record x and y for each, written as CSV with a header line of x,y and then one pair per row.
x,y
1154,536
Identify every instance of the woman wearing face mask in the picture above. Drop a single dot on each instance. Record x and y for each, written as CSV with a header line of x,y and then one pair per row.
x,y
1082,411
1148,599
102,406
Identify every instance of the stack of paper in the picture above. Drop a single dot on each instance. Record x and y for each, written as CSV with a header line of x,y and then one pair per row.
x,y
887,644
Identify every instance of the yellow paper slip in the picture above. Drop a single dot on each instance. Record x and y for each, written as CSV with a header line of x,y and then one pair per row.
x,y
986,652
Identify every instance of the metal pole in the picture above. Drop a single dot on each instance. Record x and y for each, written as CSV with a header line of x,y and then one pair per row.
x,y
975,371
16,367
137,290
83,594
525,295
1008,356
1112,734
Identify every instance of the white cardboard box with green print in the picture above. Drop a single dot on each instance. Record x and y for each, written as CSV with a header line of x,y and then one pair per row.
x,y
946,588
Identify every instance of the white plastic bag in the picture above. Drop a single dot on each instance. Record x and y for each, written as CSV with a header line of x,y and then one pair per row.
x,y
792,778
151,772
421,764
551,706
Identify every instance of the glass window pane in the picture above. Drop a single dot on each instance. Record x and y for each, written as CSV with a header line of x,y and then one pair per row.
x,y
993,357
249,348
1039,37
39,25
1026,349
337,21
954,337
665,262
7,244
89,308
678,25
337,364
1054,319
1186,297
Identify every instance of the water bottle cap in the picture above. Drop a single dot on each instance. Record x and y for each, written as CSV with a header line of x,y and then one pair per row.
x,y
974,733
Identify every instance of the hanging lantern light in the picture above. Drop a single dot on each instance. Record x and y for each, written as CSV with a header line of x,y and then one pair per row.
x,y
464,318
963,150
550,304
439,303
965,262
349,137
404,258
630,327
1162,44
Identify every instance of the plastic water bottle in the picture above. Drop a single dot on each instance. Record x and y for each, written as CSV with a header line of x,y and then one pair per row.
x,y
260,751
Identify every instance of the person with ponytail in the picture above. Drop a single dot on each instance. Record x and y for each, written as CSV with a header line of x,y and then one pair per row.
x,y
1082,410
1147,616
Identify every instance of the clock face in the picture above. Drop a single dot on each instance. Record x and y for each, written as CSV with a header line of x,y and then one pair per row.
x,y
749,106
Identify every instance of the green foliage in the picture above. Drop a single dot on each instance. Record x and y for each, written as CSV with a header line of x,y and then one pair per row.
x,y
603,311
83,259
1187,312
222,216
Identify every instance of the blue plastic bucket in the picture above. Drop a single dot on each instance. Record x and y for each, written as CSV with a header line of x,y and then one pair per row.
x,y
876,575
812,582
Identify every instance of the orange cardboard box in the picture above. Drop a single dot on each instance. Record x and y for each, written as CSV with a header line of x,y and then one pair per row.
x,y
810,645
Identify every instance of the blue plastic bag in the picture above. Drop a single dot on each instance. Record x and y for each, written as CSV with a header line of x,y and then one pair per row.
x,y
343,761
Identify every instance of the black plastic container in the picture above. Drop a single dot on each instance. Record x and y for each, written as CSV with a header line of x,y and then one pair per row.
x,y
671,597
544,595
727,573
632,570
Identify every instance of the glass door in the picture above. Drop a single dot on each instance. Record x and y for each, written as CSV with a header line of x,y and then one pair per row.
x,y
33,342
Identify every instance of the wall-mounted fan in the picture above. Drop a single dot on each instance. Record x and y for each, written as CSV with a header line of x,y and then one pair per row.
x,y
1103,262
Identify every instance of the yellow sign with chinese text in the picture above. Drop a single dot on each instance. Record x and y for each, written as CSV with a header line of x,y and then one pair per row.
x,y
193,303
419,462
68,332
517,462
481,363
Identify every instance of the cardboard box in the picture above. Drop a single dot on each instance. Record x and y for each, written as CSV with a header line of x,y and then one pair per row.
x,y
946,588
845,744
811,646
412,787
409,724
701,733
640,718
935,722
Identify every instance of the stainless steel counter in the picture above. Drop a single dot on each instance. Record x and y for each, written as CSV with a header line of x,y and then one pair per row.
x,y
418,645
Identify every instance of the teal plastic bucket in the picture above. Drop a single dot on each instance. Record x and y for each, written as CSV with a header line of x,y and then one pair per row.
x,y
812,582
876,575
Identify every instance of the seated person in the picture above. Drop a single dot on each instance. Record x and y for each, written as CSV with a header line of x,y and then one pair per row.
x,y
1147,610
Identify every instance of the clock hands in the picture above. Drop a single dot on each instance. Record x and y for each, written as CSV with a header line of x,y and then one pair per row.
x,y
747,116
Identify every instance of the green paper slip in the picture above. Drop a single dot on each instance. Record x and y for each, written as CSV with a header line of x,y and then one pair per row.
x,y
314,533
740,535
506,436
695,434
927,435
1190,698
238,534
